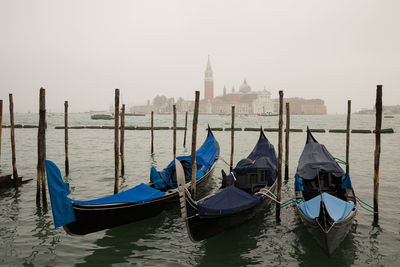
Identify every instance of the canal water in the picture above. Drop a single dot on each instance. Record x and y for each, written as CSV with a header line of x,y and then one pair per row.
x,y
28,236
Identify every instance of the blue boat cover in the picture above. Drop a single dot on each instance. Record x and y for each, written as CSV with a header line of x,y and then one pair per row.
x,y
346,182
262,157
138,194
338,209
228,201
205,157
298,183
61,205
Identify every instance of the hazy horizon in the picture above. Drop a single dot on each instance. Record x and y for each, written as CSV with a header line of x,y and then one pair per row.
x,y
81,51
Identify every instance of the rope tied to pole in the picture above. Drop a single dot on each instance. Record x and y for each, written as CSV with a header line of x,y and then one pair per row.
x,y
291,201
361,205
340,161
220,157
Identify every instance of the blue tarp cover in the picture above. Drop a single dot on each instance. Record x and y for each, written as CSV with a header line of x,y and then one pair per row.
x,y
61,205
205,157
262,157
346,182
337,208
138,194
228,201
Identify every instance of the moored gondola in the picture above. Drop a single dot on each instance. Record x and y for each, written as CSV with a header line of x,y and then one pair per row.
x,y
248,189
140,202
326,199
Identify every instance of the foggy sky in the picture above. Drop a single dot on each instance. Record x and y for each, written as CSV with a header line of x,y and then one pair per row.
x,y
81,50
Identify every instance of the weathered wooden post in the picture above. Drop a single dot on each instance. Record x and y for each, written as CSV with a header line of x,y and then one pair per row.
x,y
116,142
152,132
279,189
14,160
184,136
378,108
42,145
194,136
1,122
232,137
174,131
348,135
287,141
122,149
66,137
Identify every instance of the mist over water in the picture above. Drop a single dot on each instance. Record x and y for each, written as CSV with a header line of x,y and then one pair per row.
x,y
27,234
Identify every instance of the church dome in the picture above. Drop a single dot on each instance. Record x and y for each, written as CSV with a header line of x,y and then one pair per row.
x,y
244,88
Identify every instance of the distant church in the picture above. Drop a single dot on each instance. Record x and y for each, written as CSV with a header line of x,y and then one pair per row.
x,y
245,100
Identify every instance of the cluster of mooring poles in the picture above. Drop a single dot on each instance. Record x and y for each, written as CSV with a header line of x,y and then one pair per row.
x,y
119,129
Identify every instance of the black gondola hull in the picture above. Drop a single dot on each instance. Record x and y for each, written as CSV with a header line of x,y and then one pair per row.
x,y
328,240
203,228
93,218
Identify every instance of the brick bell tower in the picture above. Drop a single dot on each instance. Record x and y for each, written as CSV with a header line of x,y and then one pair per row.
x,y
208,82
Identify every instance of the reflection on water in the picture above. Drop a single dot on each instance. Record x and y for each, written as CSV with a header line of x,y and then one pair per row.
x,y
374,255
231,246
9,224
120,243
307,249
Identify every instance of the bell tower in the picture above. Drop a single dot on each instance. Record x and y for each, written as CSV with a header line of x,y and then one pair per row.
x,y
208,82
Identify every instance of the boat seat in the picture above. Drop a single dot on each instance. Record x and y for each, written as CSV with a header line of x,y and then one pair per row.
x,y
327,182
252,182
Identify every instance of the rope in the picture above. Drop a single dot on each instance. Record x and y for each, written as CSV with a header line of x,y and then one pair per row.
x,y
341,161
362,202
290,201
324,228
224,161
266,192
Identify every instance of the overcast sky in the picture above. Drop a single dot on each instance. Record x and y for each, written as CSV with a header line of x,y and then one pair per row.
x,y
81,50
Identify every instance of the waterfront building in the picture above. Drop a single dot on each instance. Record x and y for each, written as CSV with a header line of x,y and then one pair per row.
x,y
246,101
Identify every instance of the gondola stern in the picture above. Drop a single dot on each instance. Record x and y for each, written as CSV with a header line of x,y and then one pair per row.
x,y
310,137
262,135
209,131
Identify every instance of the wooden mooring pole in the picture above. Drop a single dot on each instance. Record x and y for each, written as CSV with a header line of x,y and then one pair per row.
x,y
184,136
378,108
116,142
287,141
14,160
122,147
174,131
1,122
41,150
279,189
66,137
152,133
42,143
232,137
348,135
194,135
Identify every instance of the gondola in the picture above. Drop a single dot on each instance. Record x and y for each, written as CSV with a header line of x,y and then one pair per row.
x,y
247,190
326,199
140,202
